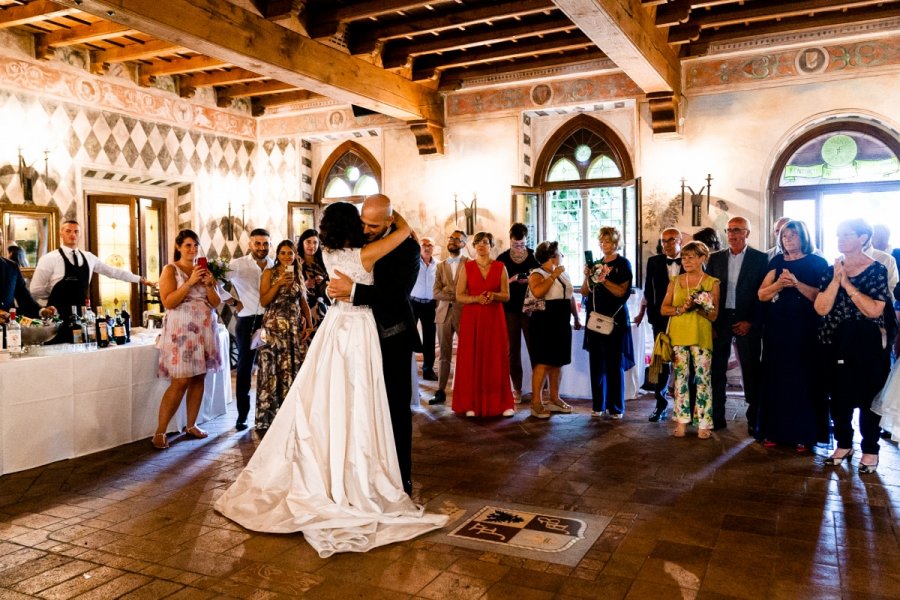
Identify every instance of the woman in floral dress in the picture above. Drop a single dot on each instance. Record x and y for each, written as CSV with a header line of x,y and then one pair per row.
x,y
692,302
188,344
288,326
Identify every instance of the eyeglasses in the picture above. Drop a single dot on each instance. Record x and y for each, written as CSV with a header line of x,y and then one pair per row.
x,y
670,240
736,230
455,239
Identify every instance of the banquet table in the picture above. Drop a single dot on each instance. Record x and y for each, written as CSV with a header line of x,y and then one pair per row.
x,y
58,407
575,380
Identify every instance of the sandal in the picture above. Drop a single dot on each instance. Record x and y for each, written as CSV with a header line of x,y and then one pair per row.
x,y
560,407
195,432
543,414
704,433
680,429
159,441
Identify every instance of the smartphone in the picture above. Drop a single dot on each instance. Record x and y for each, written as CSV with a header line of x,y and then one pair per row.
x,y
289,269
202,263
588,257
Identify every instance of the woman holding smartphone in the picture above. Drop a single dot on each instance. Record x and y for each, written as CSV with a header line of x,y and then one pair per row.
x,y
189,344
288,327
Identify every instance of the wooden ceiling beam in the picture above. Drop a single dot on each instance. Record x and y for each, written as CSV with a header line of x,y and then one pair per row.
x,y
145,51
687,34
364,40
34,12
752,13
397,52
625,31
214,78
287,13
179,66
85,34
324,22
425,67
249,90
225,31
452,79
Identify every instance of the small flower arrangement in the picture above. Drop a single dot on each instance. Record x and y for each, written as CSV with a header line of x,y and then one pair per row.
x,y
703,300
218,268
599,273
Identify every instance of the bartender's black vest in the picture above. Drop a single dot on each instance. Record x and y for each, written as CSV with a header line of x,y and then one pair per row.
x,y
69,291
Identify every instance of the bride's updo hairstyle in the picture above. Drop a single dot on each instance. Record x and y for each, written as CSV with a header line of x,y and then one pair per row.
x,y
341,227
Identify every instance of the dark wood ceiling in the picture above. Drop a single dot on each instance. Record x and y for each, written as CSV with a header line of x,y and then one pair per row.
x,y
439,44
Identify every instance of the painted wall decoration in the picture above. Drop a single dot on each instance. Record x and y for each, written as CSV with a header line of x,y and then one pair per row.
x,y
792,66
597,88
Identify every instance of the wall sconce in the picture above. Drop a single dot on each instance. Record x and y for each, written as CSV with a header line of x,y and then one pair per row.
x,y
696,199
229,224
470,212
28,176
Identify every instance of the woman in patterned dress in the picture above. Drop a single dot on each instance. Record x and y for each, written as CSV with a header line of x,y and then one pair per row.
x,y
690,328
314,275
189,344
851,301
288,328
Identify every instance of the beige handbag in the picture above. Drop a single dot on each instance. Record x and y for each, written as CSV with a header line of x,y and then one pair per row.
x,y
600,323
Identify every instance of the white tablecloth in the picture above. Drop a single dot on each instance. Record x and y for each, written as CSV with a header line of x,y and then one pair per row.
x,y
58,407
576,377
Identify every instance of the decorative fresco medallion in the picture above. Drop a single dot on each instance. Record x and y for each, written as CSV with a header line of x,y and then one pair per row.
x,y
87,90
812,61
541,94
511,527
335,119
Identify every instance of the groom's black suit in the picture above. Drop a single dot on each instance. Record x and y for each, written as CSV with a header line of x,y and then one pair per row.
x,y
395,276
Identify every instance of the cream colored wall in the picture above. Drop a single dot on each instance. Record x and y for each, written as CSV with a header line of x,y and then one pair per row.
x,y
622,121
737,137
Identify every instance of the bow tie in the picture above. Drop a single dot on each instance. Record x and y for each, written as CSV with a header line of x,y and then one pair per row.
x,y
671,261
451,261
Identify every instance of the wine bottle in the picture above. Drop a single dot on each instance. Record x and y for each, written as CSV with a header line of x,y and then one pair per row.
x,y
126,320
75,327
110,324
87,321
119,329
101,327
13,333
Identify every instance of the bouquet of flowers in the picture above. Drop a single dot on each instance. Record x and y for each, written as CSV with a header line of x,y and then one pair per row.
x,y
703,300
598,274
217,268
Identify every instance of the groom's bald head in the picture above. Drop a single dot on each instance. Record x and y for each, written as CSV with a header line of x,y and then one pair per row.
x,y
377,216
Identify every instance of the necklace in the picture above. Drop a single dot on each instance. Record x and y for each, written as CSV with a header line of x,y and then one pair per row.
x,y
687,280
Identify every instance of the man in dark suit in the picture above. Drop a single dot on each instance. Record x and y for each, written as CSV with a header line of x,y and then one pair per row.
x,y
661,268
395,276
741,269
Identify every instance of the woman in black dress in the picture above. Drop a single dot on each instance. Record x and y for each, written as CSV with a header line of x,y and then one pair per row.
x,y
550,331
794,396
606,286
851,300
314,275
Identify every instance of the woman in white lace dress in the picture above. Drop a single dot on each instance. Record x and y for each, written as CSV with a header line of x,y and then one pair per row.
x,y
328,465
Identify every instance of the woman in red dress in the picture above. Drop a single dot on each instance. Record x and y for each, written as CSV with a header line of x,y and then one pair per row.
x,y
481,387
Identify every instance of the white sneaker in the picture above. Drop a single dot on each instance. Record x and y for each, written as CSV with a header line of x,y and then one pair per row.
x,y
509,412
517,397
470,413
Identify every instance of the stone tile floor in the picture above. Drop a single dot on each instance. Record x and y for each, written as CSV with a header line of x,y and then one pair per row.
x,y
716,519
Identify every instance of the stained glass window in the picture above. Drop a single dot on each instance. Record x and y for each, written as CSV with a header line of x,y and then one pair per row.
x,y
841,157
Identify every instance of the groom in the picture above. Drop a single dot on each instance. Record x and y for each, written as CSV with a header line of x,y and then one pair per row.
x,y
395,275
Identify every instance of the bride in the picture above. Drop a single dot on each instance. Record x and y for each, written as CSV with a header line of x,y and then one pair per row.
x,y
328,465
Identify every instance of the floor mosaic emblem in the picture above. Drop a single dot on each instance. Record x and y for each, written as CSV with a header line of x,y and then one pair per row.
x,y
526,531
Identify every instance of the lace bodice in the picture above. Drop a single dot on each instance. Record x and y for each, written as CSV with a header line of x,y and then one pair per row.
x,y
347,261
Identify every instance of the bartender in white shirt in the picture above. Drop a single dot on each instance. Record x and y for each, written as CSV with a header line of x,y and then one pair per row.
x,y
244,276
62,278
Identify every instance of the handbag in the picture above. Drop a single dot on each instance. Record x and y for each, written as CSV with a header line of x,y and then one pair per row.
x,y
600,323
532,303
662,354
258,339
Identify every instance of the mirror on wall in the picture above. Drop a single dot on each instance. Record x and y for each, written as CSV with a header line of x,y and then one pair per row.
x,y
33,229
301,216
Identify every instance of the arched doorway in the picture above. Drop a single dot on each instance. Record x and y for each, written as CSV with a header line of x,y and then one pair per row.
x,y
584,180
836,171
350,173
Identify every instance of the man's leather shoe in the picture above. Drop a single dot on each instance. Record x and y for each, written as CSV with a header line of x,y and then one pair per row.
x,y
429,375
241,425
658,415
719,426
439,398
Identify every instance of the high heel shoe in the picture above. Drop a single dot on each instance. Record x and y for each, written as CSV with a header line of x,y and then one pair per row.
x,y
866,469
560,407
159,441
835,460
195,432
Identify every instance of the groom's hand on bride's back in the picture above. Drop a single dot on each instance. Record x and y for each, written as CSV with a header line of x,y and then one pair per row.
x,y
339,287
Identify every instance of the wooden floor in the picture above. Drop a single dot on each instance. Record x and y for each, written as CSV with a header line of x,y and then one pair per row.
x,y
715,519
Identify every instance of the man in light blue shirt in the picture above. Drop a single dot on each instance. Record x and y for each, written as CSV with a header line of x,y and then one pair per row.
x,y
423,304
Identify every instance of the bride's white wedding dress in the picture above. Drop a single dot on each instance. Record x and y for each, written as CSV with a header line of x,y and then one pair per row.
x,y
328,465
